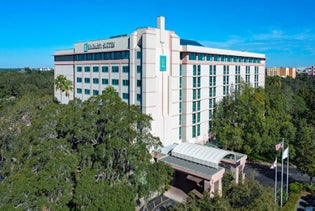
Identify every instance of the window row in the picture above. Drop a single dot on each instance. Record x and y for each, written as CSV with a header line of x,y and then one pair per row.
x,y
105,81
115,69
220,58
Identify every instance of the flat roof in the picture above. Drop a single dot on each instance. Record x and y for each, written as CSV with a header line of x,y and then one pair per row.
x,y
190,166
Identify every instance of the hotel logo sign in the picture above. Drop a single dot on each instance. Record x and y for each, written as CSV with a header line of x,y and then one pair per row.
x,y
162,63
95,46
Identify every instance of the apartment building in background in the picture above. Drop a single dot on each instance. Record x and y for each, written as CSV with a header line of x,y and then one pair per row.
x,y
282,71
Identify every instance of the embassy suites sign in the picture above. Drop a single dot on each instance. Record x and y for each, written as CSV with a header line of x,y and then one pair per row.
x,y
95,46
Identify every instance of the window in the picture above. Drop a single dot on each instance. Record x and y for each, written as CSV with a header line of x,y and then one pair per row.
x,y
79,69
192,56
180,120
105,81
198,117
194,94
180,133
199,93
139,97
209,57
193,118
115,82
194,82
115,69
194,106
180,107
201,57
87,80
210,81
198,105
194,131
199,82
139,54
199,70
210,114
180,94
86,91
95,69
125,55
210,69
139,69
139,83
86,69
125,82
125,96
198,130
180,70
79,91
79,80
194,70
105,69
95,80
180,82
125,69
214,69
95,92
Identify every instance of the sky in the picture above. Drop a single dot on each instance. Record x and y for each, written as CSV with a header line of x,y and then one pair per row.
x,y
30,30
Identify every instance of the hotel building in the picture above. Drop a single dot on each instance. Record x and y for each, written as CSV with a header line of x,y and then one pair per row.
x,y
282,72
176,81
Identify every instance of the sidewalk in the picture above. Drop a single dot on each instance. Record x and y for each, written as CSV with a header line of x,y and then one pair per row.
x,y
176,194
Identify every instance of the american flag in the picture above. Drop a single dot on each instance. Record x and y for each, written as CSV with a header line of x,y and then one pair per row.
x,y
279,146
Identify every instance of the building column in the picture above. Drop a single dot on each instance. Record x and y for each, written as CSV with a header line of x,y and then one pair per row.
x,y
235,170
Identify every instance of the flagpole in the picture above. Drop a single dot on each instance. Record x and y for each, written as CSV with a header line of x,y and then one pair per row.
x,y
276,171
287,176
281,174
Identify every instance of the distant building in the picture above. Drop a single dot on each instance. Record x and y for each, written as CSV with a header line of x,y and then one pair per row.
x,y
282,71
310,70
176,81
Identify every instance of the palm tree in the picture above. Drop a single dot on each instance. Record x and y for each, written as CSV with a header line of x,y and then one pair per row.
x,y
64,85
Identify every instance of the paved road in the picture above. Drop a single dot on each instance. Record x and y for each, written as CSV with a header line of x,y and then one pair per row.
x,y
266,176
158,204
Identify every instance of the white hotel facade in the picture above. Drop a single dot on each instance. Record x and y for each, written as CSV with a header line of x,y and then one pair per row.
x,y
175,81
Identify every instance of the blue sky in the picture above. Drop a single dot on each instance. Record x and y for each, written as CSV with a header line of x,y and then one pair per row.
x,y
283,30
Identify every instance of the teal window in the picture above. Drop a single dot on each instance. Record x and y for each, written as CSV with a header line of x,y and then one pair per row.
x,y
199,70
86,91
95,92
199,81
180,120
210,69
194,70
95,69
180,82
87,80
139,69
105,81
192,56
125,96
180,107
216,58
214,80
210,81
214,69
95,80
210,103
79,80
180,70
86,69
209,57
199,93
180,133
180,94
194,94
139,83
79,91
193,118
201,57
115,69
194,106
139,97
115,82
139,55
194,81
210,114
194,131
125,82
125,69
105,69
198,130
79,69
198,105
198,117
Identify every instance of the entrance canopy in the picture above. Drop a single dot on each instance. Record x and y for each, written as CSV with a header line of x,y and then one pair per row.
x,y
204,155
